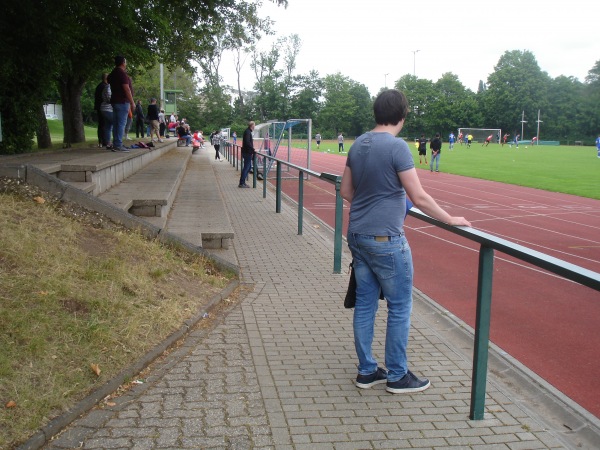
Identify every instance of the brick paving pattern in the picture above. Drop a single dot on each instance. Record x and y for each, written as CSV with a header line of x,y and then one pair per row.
x,y
277,372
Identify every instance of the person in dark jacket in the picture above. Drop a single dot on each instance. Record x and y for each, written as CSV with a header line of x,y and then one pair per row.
x,y
436,148
97,103
139,120
247,153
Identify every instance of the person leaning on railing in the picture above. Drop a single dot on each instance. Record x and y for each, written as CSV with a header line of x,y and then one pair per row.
x,y
379,173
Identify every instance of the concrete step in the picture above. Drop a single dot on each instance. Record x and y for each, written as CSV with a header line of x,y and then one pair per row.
x,y
150,191
199,214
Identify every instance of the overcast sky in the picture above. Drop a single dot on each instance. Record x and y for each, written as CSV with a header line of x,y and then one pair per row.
x,y
367,39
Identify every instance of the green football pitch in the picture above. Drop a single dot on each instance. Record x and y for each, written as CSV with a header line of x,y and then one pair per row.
x,y
568,169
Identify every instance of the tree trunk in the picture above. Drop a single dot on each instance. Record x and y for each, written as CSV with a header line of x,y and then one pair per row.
x,y
71,88
43,132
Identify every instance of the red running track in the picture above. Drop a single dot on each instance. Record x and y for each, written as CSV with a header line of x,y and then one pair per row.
x,y
546,322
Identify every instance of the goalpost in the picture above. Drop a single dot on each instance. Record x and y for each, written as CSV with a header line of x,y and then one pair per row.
x,y
481,134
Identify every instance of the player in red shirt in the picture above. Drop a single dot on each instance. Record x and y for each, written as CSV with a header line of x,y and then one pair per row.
x,y
487,140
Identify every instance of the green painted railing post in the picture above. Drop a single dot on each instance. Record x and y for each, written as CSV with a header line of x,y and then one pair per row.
x,y
482,332
300,200
264,177
337,239
278,190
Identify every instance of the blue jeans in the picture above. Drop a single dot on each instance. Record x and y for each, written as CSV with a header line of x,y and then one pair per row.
x,y
247,159
107,117
120,113
386,265
435,158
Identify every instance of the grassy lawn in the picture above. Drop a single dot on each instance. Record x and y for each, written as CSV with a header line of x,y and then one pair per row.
x,y
81,299
568,169
57,134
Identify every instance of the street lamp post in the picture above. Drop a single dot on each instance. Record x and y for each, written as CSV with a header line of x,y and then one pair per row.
x,y
523,122
415,62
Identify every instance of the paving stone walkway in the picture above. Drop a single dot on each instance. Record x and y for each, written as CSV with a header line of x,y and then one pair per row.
x,y
277,371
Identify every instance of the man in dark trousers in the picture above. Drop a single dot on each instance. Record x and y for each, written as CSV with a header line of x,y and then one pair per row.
x,y
139,120
422,149
436,148
247,153
121,100
97,103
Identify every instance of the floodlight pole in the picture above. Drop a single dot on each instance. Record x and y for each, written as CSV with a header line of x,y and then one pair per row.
x,y
537,141
523,121
162,86
415,62
385,79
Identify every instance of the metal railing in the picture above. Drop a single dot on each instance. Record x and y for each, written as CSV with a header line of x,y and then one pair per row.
x,y
488,244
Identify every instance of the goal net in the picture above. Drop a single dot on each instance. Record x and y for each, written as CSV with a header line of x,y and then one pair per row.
x,y
481,134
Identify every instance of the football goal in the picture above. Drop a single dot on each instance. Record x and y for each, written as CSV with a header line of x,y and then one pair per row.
x,y
481,134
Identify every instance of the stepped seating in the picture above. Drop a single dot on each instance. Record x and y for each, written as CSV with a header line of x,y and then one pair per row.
x,y
144,183
150,191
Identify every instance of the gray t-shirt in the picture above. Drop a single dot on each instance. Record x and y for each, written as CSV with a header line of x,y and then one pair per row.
x,y
379,203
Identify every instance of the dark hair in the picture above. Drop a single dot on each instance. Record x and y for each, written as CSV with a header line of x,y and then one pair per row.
x,y
119,59
390,107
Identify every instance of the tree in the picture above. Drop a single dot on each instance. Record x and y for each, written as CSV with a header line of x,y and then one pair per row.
x,y
565,119
90,35
421,98
306,103
590,123
339,106
516,85
452,106
269,83
27,70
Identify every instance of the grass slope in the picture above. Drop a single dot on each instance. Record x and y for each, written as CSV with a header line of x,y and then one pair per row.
x,y
77,290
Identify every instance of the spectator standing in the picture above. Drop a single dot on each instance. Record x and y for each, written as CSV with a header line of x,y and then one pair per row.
x,y
436,148
139,120
153,117
121,100
216,139
247,153
161,123
422,149
97,107
340,143
379,174
234,136
106,110
318,139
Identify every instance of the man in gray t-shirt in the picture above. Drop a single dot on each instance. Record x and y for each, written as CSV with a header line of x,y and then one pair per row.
x,y
379,174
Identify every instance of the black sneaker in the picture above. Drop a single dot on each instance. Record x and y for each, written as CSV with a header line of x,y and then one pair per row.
x,y
366,381
243,186
407,384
